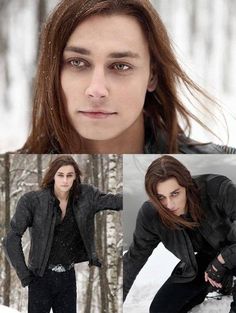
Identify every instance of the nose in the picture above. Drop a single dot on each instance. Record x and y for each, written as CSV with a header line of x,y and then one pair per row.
x,y
65,179
169,204
97,88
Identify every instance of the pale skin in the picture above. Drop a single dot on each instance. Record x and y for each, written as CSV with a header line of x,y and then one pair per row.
x,y
173,197
63,181
105,76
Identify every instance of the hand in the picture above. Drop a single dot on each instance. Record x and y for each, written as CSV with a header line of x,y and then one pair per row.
x,y
212,282
215,272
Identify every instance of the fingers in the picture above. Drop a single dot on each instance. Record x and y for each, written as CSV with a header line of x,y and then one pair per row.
x,y
212,282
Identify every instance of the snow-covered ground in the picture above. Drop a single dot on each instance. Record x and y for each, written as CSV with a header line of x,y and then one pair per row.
x,y
150,279
5,309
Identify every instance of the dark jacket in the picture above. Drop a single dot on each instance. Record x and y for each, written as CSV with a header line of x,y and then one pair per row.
x,y
37,210
218,227
185,145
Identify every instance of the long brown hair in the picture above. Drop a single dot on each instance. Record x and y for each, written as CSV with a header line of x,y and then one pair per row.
x,y
162,169
62,160
51,128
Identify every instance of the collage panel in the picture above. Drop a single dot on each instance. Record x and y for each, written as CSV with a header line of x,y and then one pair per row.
x,y
179,227
60,217
105,76
101,96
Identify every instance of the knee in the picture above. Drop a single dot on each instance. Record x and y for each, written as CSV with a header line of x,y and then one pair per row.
x,y
156,307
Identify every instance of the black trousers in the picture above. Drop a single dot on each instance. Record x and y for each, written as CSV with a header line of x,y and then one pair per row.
x,y
56,291
182,297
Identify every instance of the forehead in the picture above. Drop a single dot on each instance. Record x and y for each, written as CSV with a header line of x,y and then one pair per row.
x,y
168,186
66,169
106,33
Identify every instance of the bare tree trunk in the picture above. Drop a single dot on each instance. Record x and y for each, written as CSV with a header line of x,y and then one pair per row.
x,y
95,170
39,168
7,279
89,292
101,244
41,15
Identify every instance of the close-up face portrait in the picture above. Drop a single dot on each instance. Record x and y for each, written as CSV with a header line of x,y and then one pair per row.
x,y
105,76
116,76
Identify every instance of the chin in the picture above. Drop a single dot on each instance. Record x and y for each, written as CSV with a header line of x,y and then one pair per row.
x,y
96,137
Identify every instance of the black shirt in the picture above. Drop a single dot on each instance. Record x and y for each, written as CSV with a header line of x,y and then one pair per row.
x,y
67,241
200,244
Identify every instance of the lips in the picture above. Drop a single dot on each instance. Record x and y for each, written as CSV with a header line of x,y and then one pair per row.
x,y
97,114
173,210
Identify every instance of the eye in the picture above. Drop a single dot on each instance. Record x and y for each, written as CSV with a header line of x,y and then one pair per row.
x,y
76,63
174,194
160,198
120,67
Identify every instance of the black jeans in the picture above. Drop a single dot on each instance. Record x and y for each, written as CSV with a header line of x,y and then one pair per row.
x,y
182,297
53,290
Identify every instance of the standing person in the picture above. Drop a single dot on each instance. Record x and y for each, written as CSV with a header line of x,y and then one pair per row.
x,y
107,82
60,217
194,218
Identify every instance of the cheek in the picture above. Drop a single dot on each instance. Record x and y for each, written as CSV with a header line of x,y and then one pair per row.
x,y
131,97
183,201
70,89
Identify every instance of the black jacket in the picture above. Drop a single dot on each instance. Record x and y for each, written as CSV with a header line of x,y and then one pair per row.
x,y
218,200
185,145
37,210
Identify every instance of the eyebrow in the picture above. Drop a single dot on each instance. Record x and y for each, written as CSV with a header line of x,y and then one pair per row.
x,y
159,194
113,55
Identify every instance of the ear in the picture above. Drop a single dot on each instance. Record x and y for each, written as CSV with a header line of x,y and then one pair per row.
x,y
152,84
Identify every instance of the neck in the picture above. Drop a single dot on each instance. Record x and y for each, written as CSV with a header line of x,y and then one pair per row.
x,y
130,142
63,196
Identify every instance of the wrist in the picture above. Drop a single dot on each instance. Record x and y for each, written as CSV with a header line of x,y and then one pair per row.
x,y
220,259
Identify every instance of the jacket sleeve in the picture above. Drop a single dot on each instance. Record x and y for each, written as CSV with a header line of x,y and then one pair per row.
x,y
12,244
144,242
106,201
229,256
227,200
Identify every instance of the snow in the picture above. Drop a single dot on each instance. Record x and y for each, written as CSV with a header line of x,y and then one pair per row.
x,y
150,279
5,309
207,55
161,263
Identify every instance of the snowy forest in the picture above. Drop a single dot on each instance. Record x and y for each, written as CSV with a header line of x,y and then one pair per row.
x,y
98,290
203,33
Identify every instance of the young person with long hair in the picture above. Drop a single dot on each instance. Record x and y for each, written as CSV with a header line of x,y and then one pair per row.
x,y
60,217
194,217
108,82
